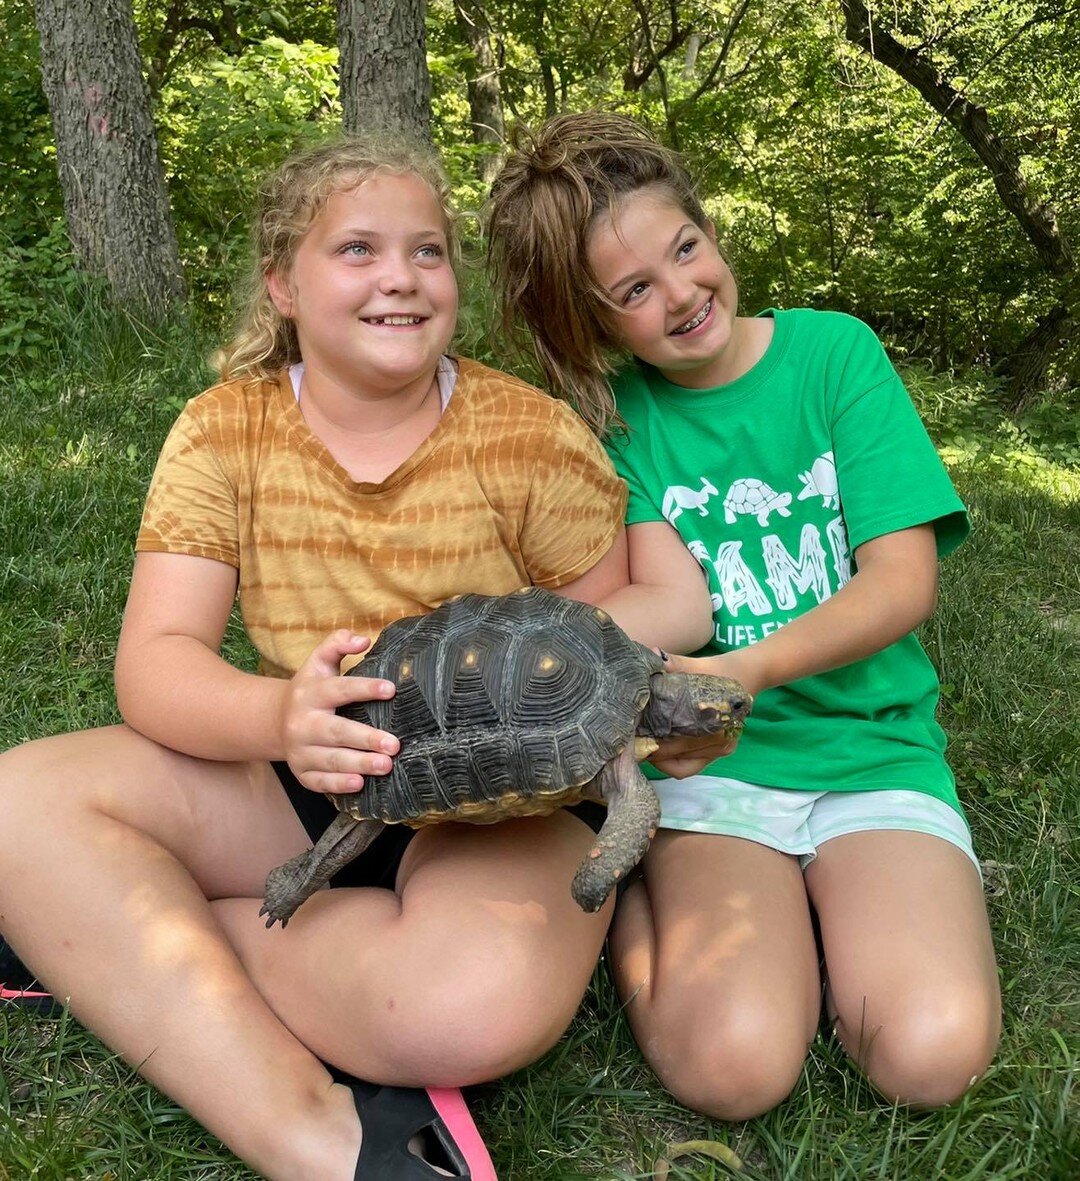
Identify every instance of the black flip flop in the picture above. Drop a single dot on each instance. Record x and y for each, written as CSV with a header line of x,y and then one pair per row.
x,y
392,1117
19,987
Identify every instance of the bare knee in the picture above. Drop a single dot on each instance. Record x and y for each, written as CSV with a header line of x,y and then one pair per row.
x,y
17,769
465,1011
25,795
928,1054
489,1036
52,771
111,770
730,1065
484,1021
465,1041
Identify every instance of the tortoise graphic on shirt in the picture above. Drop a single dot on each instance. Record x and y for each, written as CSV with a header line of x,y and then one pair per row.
x,y
756,498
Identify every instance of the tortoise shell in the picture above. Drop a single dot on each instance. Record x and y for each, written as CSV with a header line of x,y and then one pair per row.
x,y
505,706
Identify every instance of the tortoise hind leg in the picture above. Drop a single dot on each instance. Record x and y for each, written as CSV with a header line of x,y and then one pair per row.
x,y
633,814
294,882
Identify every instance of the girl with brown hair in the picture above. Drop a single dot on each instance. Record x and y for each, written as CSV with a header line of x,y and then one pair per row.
x,y
785,451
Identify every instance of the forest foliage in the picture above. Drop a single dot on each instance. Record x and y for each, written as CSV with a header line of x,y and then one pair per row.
x,y
832,182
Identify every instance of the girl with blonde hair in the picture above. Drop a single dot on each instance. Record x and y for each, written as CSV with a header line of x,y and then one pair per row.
x,y
346,472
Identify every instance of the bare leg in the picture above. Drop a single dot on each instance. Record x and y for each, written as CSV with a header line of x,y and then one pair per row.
x,y
912,983
94,832
482,941
111,847
715,957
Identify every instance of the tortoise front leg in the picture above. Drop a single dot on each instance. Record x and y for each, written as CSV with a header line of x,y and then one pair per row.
x,y
632,816
294,882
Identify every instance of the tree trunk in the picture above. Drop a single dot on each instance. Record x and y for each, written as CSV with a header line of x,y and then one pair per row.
x,y
1026,367
1037,219
547,80
106,151
482,83
383,70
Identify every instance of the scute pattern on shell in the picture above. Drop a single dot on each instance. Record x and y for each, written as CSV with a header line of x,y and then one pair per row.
x,y
499,700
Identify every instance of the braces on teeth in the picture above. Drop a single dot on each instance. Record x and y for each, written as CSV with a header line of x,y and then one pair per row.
x,y
691,324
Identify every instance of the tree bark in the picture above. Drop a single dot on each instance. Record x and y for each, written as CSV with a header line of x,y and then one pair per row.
x,y
1037,219
106,152
1025,368
383,72
482,84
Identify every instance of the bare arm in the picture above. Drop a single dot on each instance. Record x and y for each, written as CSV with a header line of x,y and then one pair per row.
x,y
667,602
604,579
672,609
651,587
172,685
894,590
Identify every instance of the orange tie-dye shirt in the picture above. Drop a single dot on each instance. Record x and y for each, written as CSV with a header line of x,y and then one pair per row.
x,y
509,489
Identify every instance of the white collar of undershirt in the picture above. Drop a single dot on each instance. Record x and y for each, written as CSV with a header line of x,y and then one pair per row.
x,y
445,374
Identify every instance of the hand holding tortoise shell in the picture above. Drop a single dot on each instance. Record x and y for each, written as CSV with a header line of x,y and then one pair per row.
x,y
515,705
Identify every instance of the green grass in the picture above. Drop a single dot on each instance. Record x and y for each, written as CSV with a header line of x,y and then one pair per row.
x,y
79,431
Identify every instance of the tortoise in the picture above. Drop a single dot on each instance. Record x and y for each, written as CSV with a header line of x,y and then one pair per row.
x,y
514,705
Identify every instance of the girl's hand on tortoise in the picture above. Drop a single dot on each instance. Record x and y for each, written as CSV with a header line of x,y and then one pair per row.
x,y
684,755
327,752
740,664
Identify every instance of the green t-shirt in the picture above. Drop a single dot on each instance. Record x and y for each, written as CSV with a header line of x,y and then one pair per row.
x,y
773,481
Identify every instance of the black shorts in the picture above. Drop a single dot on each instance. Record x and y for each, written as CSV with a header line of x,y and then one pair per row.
x,y
378,864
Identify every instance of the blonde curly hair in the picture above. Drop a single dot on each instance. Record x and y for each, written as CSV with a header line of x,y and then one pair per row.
x,y
290,199
553,186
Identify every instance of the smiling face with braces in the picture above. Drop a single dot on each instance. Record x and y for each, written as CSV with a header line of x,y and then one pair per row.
x,y
676,297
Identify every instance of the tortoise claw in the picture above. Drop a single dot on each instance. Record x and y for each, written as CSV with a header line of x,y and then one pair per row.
x,y
274,918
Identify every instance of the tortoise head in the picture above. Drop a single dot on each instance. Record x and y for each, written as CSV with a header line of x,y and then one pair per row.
x,y
690,703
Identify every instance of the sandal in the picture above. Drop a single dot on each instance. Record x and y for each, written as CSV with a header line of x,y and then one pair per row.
x,y
18,986
394,1118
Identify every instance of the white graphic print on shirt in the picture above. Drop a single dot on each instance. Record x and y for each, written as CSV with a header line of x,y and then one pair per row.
x,y
677,498
820,480
772,578
757,498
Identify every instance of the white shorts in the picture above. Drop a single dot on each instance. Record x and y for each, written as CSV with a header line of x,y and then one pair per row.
x,y
798,822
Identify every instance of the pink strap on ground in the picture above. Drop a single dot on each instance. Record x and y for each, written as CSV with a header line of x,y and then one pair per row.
x,y
19,994
450,1104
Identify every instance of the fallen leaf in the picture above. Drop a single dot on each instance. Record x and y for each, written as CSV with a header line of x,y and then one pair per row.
x,y
710,1148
